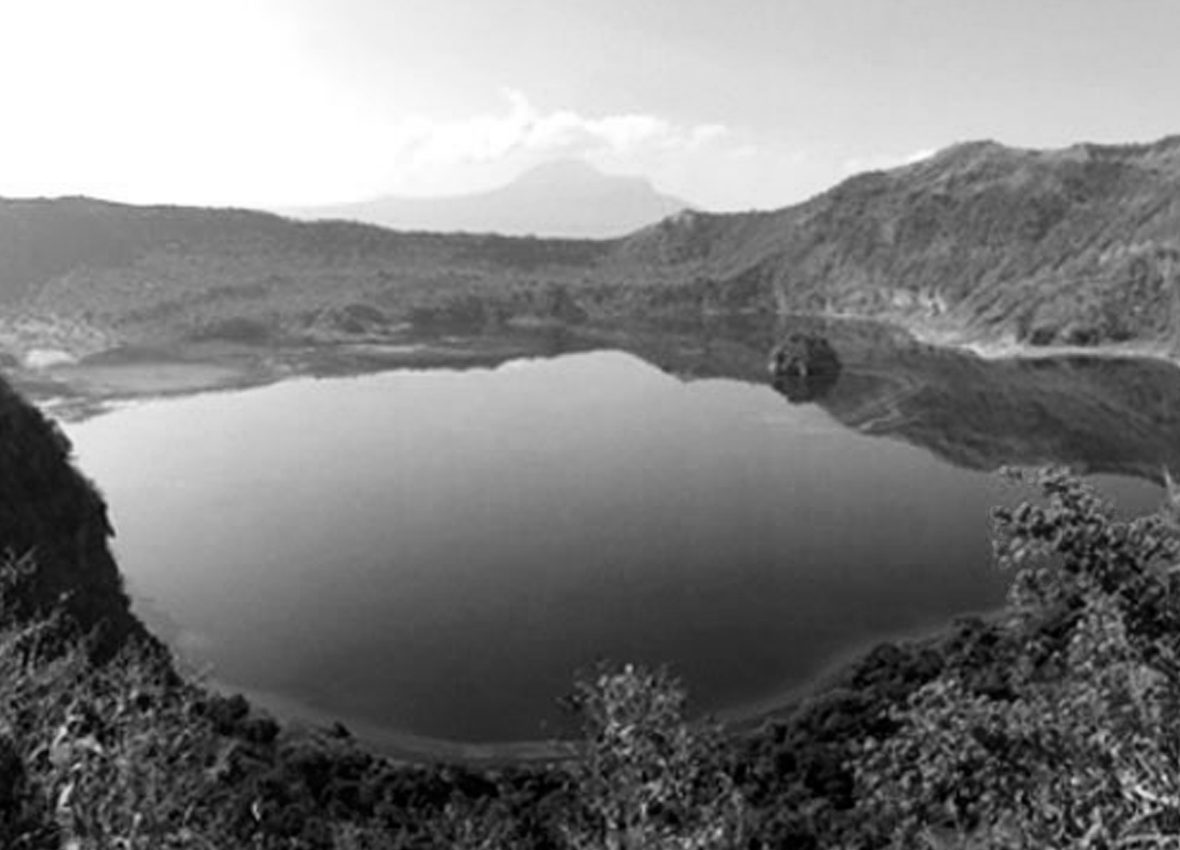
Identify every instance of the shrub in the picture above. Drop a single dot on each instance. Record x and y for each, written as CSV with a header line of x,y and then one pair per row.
x,y
1082,752
110,756
646,778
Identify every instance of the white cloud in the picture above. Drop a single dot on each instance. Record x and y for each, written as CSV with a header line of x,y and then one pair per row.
x,y
433,155
523,129
232,102
708,163
147,102
707,134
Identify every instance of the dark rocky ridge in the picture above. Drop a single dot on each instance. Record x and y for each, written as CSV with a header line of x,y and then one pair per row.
x,y
54,532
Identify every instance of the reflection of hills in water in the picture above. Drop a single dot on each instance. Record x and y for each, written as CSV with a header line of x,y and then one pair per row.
x,y
1095,414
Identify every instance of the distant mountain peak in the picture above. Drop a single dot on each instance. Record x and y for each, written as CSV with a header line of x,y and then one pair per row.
x,y
558,198
579,179
561,171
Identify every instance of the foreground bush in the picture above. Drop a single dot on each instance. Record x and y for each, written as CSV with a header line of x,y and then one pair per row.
x,y
103,757
646,778
1081,747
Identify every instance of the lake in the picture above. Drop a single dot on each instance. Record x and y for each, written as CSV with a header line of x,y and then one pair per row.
x,y
434,554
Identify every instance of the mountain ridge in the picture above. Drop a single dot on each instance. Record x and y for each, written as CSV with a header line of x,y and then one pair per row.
x,y
991,238
560,198
1076,246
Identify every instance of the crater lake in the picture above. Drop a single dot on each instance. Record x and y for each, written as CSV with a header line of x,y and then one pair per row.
x,y
430,556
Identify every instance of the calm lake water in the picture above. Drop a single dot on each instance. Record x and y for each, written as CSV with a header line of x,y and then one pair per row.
x,y
437,552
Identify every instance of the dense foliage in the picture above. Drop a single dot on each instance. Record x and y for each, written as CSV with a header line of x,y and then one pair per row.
x,y
1079,748
645,778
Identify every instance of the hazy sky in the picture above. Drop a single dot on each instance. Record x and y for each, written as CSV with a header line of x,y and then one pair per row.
x,y
728,103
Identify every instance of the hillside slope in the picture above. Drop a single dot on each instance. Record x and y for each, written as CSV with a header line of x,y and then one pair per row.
x,y
1079,246
85,275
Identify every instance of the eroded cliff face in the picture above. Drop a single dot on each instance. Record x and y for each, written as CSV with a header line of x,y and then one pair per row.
x,y
54,532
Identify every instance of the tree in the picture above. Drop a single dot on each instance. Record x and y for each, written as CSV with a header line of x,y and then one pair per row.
x,y
1082,750
647,778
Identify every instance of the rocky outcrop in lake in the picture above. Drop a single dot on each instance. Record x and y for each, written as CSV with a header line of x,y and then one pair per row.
x,y
804,367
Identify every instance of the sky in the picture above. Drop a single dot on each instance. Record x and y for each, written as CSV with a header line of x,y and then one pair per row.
x,y
727,104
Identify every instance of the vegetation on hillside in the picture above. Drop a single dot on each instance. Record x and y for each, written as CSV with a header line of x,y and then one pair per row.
x,y
1074,246
127,754
1078,747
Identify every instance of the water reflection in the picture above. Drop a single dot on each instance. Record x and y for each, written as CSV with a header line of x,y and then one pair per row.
x,y
1096,414
437,552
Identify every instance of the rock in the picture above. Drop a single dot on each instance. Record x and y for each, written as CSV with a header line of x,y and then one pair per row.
x,y
804,367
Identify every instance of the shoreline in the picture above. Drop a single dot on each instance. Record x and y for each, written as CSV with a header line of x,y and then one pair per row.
x,y
88,387
1010,349
400,746
737,722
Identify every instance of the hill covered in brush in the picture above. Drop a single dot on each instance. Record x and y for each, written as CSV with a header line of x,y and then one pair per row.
x,y
1075,246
